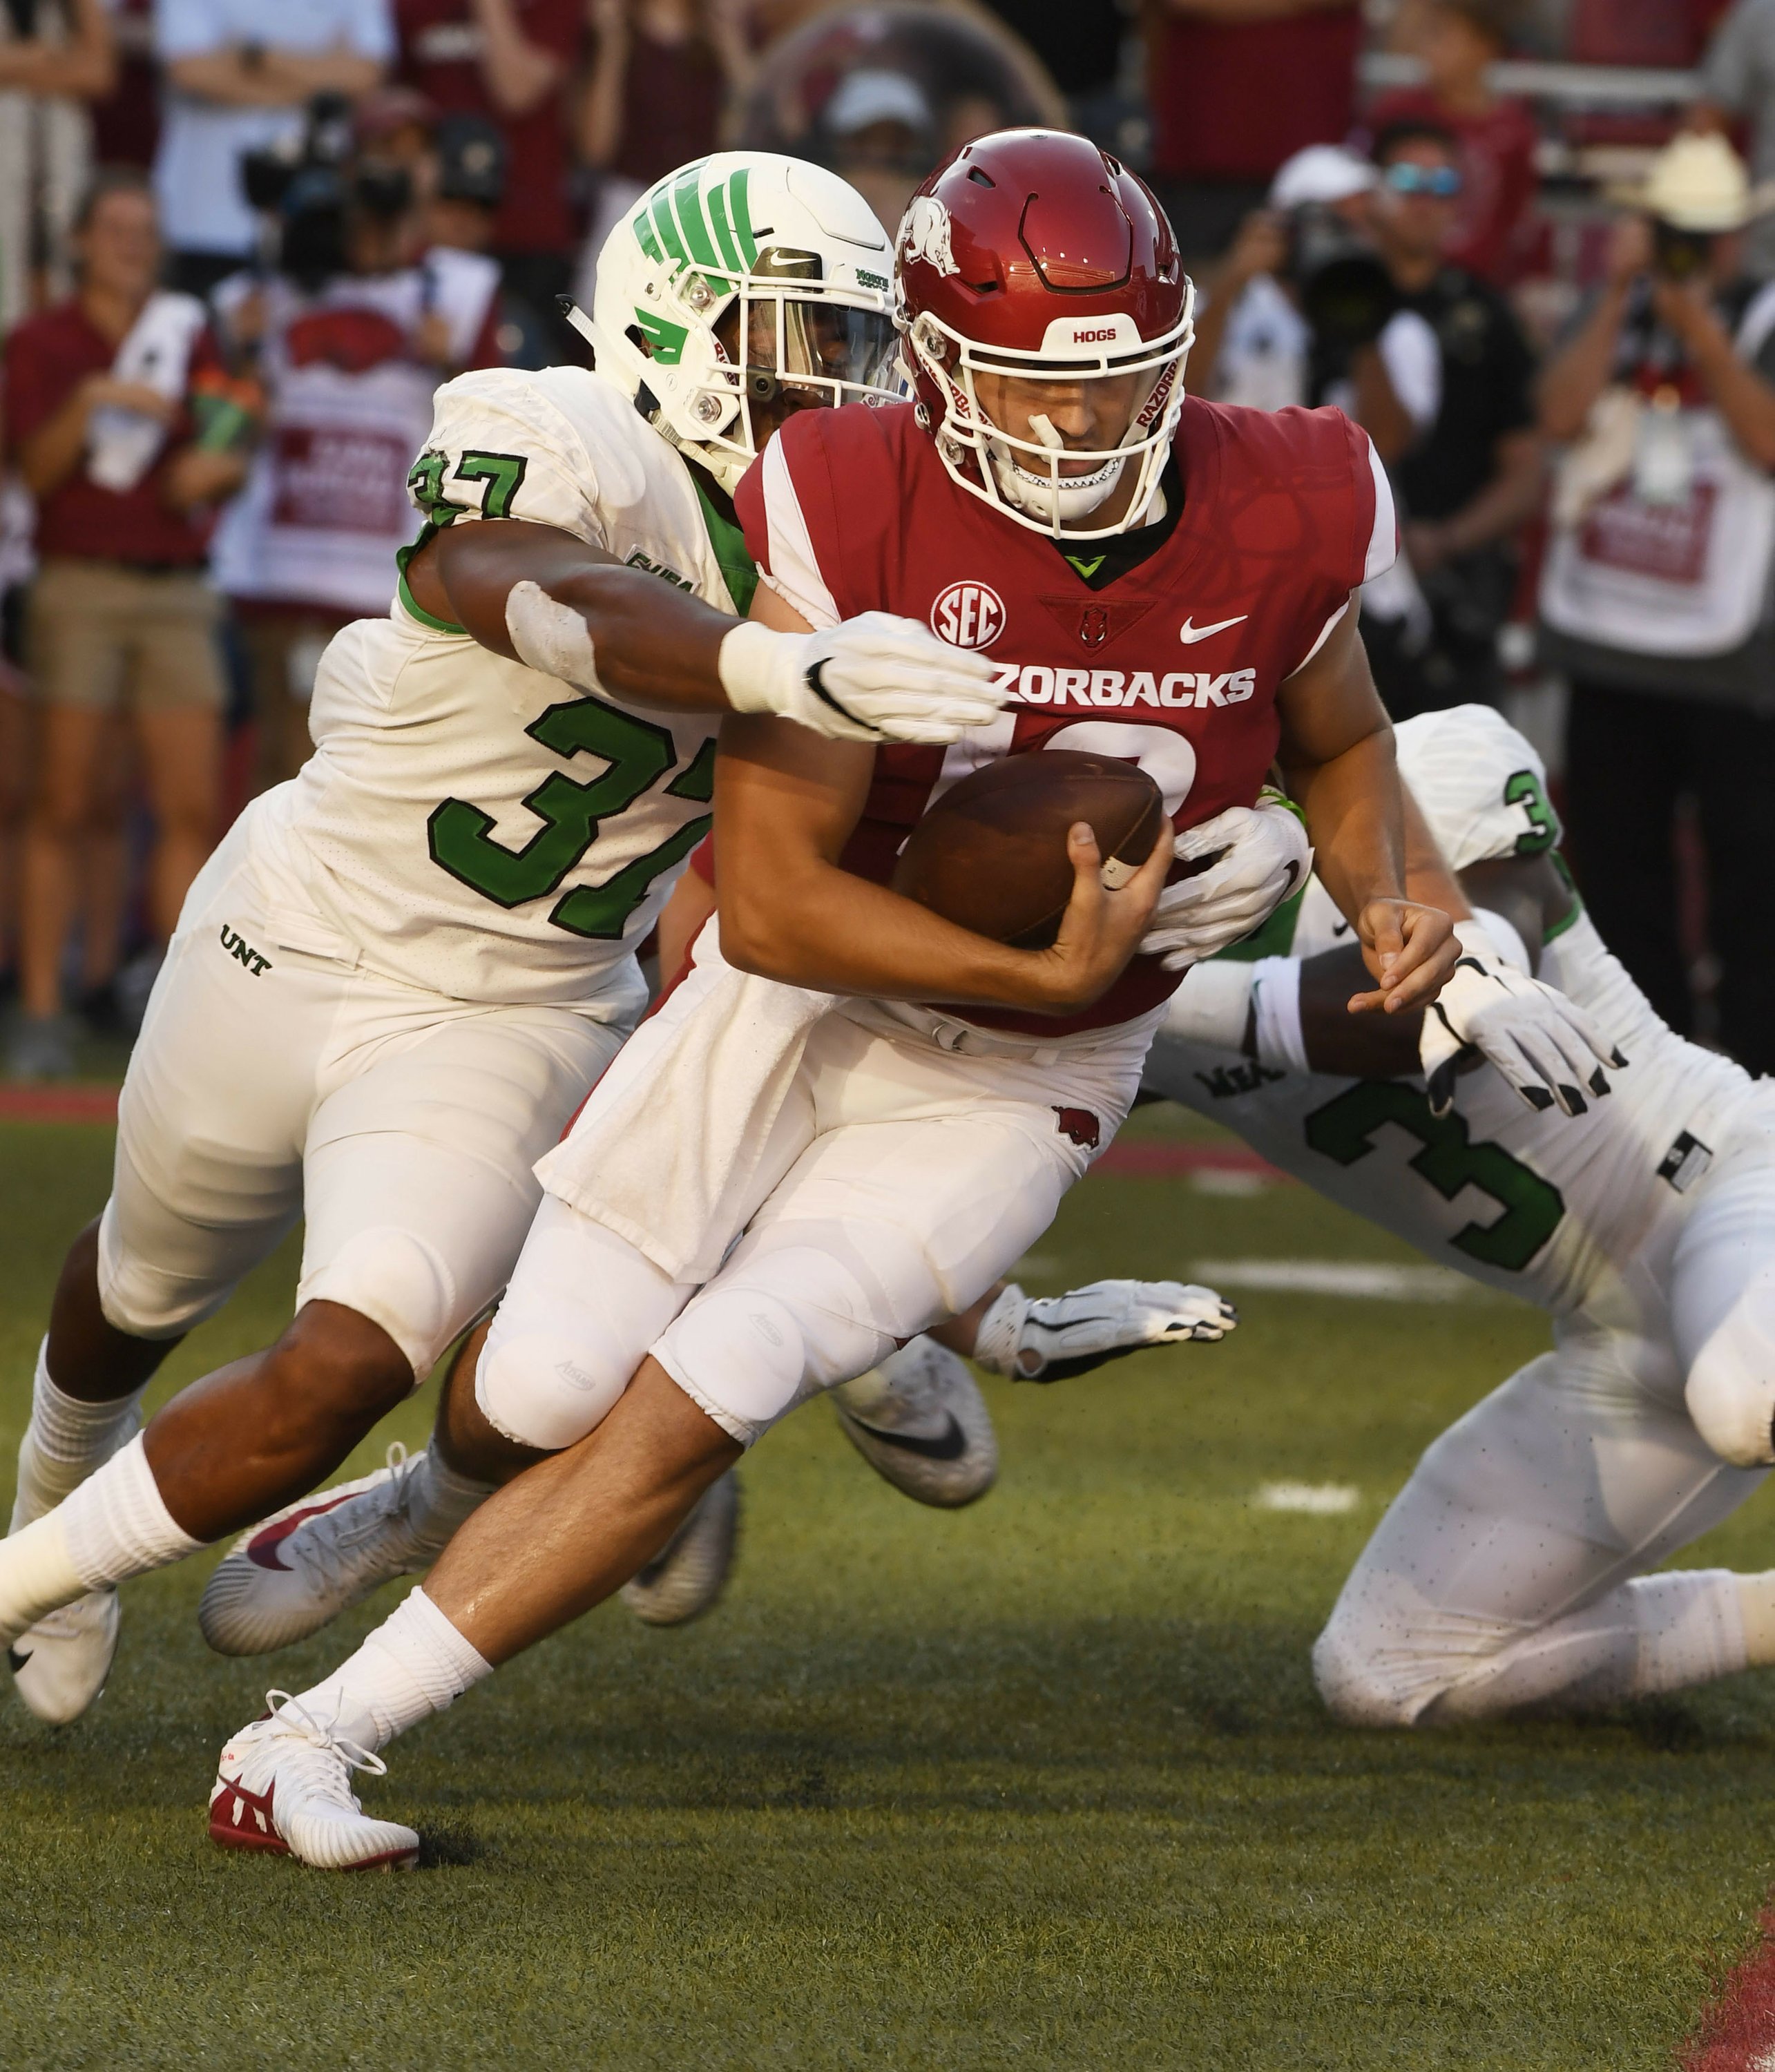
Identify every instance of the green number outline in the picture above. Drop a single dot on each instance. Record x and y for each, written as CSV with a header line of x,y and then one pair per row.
x,y
1343,1131
502,473
638,754
1523,789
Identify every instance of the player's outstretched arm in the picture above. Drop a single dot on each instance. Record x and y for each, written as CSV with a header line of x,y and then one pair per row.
x,y
786,804
540,595
1336,754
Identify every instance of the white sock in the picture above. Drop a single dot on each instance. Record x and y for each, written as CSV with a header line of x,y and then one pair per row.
x,y
414,1664
117,1524
439,1499
65,1440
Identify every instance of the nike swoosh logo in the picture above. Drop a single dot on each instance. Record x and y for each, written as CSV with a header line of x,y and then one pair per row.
x,y
1339,927
262,1550
950,1445
16,1661
1189,635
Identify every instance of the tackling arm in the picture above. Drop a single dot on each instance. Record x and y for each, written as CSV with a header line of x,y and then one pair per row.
x,y
1336,754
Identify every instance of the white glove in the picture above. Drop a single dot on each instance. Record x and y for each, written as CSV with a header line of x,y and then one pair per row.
x,y
1546,1046
1264,856
1056,1336
873,678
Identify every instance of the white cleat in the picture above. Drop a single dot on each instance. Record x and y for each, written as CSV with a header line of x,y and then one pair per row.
x,y
683,1582
920,1421
314,1559
60,1665
284,1784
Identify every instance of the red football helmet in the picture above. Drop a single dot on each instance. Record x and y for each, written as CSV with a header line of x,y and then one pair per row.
x,y
1032,253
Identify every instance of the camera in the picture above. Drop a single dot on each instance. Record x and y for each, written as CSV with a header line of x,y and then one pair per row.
x,y
1680,255
1347,296
309,190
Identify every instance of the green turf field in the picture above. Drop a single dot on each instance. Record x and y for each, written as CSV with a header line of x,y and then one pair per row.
x,y
1044,1783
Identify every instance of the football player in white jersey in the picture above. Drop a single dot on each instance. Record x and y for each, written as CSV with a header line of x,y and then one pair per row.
x,y
1514,1569
399,973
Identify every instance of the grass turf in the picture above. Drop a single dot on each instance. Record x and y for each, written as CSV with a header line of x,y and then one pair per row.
x,y
1041,1783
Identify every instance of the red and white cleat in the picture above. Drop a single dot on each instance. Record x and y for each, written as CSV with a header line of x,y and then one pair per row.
x,y
284,1784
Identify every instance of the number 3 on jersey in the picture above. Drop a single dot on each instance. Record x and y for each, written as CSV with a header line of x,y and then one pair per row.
x,y
637,755
1344,1130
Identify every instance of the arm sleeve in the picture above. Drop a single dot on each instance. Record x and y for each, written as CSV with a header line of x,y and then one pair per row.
x,y
778,538
501,448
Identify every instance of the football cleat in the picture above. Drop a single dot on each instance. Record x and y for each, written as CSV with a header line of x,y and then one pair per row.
x,y
682,1581
60,1665
920,1421
312,1561
1055,1337
284,1784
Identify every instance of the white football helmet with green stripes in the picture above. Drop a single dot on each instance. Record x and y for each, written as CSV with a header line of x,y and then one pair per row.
x,y
739,289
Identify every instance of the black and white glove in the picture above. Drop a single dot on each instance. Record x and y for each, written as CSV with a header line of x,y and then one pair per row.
x,y
1547,1046
875,677
1056,1336
1262,856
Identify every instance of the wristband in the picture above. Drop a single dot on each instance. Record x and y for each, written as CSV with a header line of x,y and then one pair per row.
x,y
749,662
1213,1004
1275,988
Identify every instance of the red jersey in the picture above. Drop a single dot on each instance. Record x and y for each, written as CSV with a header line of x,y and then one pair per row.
x,y
1173,663
47,357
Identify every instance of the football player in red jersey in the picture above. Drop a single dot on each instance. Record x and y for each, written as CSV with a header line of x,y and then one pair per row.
x,y
775,1183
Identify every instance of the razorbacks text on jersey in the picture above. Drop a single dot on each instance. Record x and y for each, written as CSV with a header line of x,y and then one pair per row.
x,y
1571,1213
1171,658
469,824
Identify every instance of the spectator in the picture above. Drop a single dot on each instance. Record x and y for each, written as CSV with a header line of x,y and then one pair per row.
x,y
878,131
1459,41
1237,88
1467,488
349,344
1738,79
1652,594
510,62
465,188
100,418
238,75
660,78
126,122
56,55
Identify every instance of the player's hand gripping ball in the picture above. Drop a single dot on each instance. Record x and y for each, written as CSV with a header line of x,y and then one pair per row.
x,y
991,854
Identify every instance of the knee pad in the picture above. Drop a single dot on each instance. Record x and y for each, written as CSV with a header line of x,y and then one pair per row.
x,y
1730,1385
396,1280
145,1302
787,1324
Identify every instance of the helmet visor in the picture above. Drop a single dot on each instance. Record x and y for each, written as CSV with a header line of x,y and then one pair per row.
x,y
807,353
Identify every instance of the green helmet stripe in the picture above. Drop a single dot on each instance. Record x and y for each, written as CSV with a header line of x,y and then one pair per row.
x,y
665,339
742,219
660,202
718,215
691,221
645,238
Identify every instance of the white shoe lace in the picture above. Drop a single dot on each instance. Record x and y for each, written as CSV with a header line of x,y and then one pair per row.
x,y
331,1545
314,1768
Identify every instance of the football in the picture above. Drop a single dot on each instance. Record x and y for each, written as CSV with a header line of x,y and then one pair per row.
x,y
991,854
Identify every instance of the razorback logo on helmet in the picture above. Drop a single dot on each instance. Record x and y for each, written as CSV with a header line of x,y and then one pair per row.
x,y
1081,1126
924,234
968,614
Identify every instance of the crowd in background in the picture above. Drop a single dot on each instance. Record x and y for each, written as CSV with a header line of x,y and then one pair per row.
x,y
241,241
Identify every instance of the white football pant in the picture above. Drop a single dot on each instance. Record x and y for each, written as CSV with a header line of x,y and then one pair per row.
x,y
901,1179
1512,1571
270,1083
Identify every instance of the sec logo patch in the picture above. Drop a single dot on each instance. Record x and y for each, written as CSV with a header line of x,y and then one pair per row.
x,y
968,614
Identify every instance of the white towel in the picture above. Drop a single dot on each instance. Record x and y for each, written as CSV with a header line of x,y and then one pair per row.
x,y
121,444
665,1151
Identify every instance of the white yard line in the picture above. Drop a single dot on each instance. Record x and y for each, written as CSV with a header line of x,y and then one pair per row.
x,y
1363,1278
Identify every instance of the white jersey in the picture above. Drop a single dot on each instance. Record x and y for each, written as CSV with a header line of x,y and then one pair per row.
x,y
1569,1213
471,825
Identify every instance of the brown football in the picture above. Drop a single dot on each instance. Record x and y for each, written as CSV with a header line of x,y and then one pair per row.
x,y
991,854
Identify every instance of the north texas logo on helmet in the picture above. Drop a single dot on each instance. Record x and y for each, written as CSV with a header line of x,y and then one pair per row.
x,y
924,234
